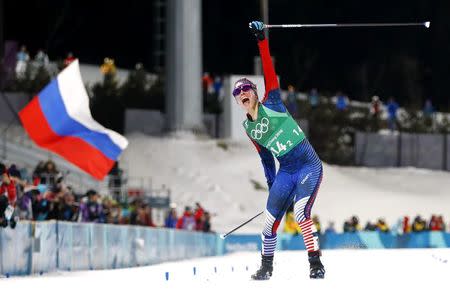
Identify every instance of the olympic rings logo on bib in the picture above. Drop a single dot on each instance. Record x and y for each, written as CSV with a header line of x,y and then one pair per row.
x,y
260,129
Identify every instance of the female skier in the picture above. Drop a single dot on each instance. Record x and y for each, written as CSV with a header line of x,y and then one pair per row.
x,y
275,133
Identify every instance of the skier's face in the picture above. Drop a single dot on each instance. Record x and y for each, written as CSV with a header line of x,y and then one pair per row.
x,y
245,96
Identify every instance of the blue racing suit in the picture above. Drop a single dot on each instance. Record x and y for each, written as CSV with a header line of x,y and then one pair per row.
x,y
298,178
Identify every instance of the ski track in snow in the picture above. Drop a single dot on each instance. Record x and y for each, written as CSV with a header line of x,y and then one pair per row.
x,y
348,272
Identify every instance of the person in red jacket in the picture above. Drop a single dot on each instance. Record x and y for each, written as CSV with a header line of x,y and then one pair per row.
x,y
198,216
8,197
187,221
436,223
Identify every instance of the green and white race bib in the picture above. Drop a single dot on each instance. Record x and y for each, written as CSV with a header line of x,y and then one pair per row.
x,y
276,131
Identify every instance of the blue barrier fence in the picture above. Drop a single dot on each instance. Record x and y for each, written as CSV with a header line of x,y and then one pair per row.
x,y
357,240
50,246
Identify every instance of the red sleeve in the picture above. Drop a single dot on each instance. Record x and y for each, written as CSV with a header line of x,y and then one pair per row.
x,y
270,77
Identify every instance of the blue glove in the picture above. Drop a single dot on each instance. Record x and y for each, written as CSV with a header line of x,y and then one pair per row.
x,y
257,28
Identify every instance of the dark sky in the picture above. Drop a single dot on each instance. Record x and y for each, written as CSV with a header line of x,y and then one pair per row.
x,y
394,61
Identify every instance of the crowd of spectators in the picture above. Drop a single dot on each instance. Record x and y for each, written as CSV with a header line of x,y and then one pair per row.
x,y
404,225
44,195
378,111
40,60
197,219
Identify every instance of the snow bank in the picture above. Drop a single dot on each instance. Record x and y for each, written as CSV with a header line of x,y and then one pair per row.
x,y
221,179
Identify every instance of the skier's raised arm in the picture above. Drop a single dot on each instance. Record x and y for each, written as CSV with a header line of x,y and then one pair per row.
x,y
272,94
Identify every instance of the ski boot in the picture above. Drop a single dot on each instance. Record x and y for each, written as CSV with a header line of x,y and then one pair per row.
x,y
265,271
316,269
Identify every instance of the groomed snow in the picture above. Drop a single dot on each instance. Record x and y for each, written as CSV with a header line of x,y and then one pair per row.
x,y
348,272
199,170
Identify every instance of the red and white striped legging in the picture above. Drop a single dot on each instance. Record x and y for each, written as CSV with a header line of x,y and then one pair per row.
x,y
310,235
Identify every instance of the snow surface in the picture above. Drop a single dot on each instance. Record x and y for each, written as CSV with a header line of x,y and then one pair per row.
x,y
348,272
198,169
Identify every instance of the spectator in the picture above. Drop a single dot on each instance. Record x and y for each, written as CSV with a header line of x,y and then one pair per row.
x,y
348,226
207,85
14,172
41,59
291,101
218,88
314,98
49,174
125,215
7,198
56,204
38,170
171,219
187,221
392,108
428,112
41,207
67,210
198,215
22,62
342,101
382,226
94,211
114,216
419,224
406,226
108,68
436,223
69,59
206,222
144,215
370,226
25,203
375,111
352,225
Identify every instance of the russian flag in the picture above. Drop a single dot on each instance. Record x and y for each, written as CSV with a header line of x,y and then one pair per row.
x,y
59,119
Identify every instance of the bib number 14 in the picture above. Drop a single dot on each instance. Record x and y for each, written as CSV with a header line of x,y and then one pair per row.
x,y
280,147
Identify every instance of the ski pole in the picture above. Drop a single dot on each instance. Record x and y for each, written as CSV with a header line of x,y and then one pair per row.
x,y
223,236
425,24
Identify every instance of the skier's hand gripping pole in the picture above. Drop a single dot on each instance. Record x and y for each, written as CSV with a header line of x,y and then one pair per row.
x,y
257,28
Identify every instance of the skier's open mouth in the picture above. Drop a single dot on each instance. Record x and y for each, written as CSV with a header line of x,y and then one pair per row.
x,y
244,100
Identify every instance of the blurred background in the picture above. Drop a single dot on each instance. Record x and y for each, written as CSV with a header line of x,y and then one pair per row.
x,y
374,103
